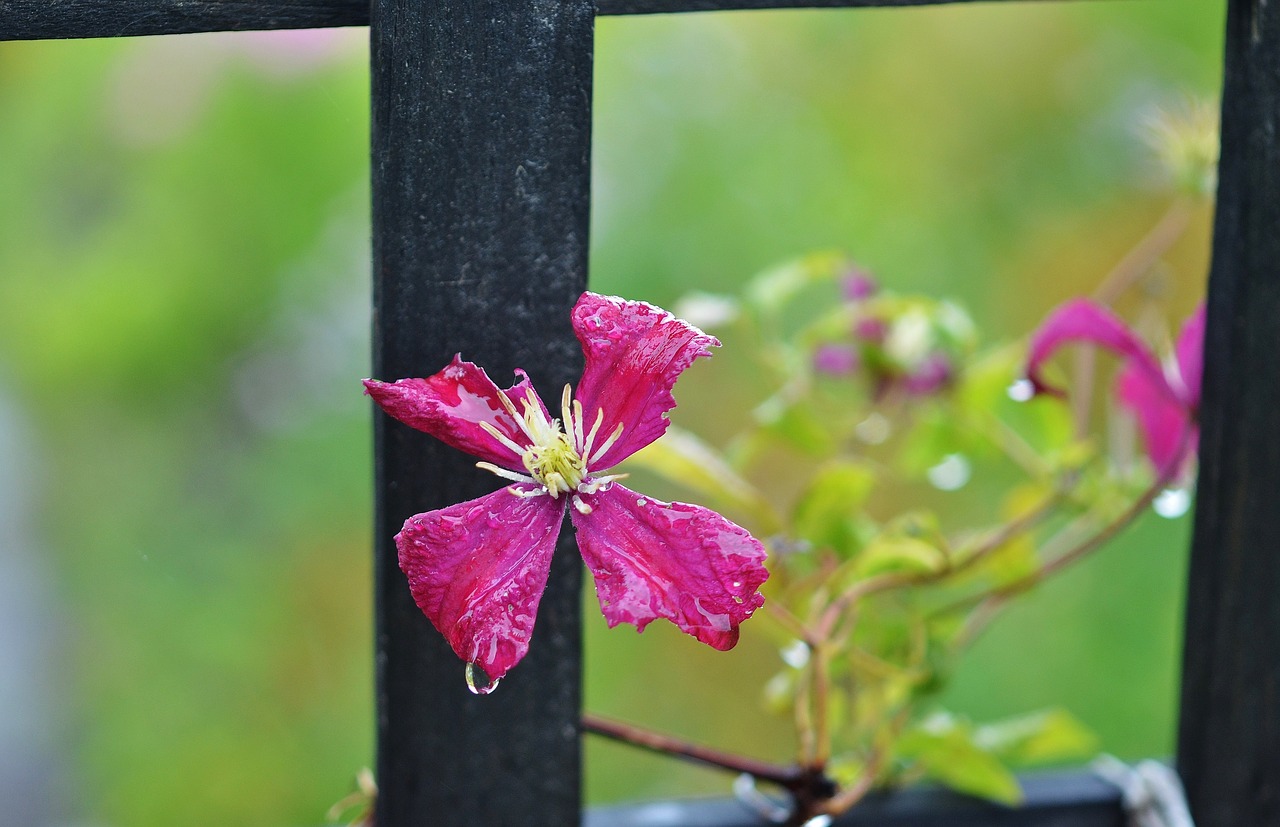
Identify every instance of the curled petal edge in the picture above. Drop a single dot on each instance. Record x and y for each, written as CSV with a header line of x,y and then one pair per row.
x,y
1081,320
652,559
451,405
634,354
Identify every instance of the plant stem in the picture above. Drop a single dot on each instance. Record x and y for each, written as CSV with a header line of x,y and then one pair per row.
x,y
1144,255
1001,594
789,621
788,777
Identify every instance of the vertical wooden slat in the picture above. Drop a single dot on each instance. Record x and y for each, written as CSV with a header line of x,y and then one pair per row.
x,y
1229,738
481,154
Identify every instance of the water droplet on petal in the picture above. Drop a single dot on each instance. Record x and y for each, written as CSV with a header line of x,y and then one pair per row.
x,y
951,473
1172,503
1021,390
488,686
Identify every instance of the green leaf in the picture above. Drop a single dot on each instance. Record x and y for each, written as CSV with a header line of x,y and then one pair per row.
x,y
945,749
935,435
685,459
985,382
1047,736
908,555
796,425
828,512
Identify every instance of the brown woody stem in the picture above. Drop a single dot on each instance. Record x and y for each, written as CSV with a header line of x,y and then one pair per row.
x,y
787,777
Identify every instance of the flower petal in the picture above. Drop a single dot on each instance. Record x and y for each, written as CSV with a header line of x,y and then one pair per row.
x,y
1164,423
451,405
634,354
652,559
1190,354
478,569
1080,320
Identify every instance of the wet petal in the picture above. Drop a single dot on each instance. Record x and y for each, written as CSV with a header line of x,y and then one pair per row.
x,y
652,559
1081,320
451,405
1164,423
634,354
1190,354
478,569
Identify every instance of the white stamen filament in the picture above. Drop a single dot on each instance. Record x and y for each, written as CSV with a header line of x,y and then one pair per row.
x,y
608,443
566,409
504,473
501,437
577,423
595,429
582,507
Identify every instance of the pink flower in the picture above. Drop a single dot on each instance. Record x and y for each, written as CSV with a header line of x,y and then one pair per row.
x,y
1165,399
478,569
858,284
837,360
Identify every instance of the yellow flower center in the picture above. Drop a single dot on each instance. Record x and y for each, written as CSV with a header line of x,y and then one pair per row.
x,y
555,464
557,455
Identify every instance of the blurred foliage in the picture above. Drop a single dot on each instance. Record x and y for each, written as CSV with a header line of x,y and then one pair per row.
x,y
183,318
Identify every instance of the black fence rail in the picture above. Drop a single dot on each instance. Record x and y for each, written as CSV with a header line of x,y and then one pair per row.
x,y
481,147
46,19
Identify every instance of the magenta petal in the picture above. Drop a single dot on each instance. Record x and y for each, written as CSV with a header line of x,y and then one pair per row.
x,y
1080,320
451,405
1190,354
478,569
1164,423
634,354
652,559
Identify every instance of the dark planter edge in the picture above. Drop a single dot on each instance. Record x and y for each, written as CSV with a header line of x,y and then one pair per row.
x,y
1066,798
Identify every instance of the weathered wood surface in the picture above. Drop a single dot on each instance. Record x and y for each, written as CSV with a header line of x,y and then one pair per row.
x,y
481,191
1229,737
45,19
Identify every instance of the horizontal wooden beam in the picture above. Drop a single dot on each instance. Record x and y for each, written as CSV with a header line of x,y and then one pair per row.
x,y
50,19
56,19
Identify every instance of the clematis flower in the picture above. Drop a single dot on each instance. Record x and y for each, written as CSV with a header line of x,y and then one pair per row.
x,y
478,569
1165,398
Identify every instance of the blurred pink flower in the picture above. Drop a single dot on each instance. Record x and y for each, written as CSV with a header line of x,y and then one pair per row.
x,y
1165,399
858,284
932,375
836,360
478,569
290,53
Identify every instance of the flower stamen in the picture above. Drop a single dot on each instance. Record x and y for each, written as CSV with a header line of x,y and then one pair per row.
x,y
608,443
595,429
501,437
504,473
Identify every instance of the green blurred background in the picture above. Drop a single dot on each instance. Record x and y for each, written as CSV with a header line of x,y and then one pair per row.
x,y
183,324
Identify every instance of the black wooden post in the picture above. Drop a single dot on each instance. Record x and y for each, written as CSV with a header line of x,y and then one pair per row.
x,y
1229,740
481,164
